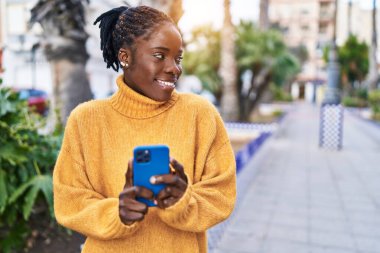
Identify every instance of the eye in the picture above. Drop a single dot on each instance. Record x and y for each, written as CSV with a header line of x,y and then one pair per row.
x,y
159,56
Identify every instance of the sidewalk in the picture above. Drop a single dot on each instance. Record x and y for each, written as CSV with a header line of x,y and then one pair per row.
x,y
295,197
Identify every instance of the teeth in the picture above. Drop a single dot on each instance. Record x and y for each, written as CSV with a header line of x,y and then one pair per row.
x,y
169,84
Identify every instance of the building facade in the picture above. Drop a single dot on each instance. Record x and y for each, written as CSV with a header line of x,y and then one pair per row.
x,y
360,24
308,23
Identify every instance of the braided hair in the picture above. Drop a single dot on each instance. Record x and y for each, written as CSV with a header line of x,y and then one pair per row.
x,y
122,26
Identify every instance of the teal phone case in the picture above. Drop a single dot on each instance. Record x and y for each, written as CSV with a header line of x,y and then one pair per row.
x,y
150,161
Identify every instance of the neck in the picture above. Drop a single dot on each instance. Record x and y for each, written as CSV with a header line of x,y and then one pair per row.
x,y
133,104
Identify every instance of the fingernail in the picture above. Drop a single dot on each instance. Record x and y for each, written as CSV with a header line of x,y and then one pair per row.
x,y
152,180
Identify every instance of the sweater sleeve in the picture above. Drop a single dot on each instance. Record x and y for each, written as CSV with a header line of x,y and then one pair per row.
x,y
76,204
211,200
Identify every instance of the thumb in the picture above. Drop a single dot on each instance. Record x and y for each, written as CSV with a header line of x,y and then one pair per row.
x,y
129,174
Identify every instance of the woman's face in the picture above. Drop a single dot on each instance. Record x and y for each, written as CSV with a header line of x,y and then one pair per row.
x,y
155,65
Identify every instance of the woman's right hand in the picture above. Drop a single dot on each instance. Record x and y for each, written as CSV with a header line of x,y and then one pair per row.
x,y
131,210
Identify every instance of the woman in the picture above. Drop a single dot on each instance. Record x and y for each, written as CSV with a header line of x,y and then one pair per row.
x,y
93,192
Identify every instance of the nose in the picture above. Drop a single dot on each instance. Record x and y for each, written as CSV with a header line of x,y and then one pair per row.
x,y
173,68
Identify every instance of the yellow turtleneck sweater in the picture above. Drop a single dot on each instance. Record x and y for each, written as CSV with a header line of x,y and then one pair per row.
x,y
90,171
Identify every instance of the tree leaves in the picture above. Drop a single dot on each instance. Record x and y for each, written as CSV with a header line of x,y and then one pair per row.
x,y
3,191
14,238
26,162
353,59
13,154
39,183
203,57
261,48
5,103
265,54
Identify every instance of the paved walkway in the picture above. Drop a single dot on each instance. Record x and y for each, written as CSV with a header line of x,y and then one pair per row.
x,y
299,198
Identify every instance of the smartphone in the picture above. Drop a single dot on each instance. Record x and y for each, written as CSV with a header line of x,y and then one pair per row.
x,y
149,161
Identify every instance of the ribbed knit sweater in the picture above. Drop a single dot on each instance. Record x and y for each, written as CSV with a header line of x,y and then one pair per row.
x,y
90,171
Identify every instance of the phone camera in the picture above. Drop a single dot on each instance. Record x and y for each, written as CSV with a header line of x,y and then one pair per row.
x,y
143,156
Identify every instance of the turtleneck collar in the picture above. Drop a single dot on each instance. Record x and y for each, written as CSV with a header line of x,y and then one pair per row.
x,y
134,105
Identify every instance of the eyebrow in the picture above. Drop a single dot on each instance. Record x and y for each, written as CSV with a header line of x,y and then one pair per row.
x,y
162,48
167,49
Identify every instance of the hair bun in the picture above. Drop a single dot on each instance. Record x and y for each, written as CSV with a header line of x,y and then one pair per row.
x,y
111,13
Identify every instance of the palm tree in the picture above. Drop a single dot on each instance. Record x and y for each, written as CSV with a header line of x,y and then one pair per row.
x,y
265,55
373,76
171,7
64,44
1,60
228,68
264,15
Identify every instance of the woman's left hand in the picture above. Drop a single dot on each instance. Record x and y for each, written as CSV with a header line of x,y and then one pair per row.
x,y
176,184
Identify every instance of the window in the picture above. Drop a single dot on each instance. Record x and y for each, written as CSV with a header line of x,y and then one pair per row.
x,y
323,29
304,12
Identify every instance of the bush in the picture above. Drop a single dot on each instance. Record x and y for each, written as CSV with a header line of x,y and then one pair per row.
x,y
279,94
354,102
361,93
374,101
26,162
277,113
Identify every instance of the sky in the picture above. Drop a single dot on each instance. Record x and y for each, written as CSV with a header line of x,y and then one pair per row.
x,y
367,4
198,12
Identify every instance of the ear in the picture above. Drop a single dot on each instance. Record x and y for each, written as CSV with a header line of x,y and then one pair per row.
x,y
124,55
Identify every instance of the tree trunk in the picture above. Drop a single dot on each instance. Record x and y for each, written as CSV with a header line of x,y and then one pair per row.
x,y
228,68
171,7
259,94
349,16
1,59
259,84
64,43
264,15
373,75
70,87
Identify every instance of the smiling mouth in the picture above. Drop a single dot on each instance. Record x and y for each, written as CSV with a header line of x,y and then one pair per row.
x,y
166,84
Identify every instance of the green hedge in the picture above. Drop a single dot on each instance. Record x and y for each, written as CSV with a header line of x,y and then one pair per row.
x,y
374,101
354,102
279,94
26,162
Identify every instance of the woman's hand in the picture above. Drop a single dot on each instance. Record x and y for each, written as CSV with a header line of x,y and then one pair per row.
x,y
131,210
176,184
